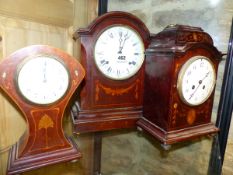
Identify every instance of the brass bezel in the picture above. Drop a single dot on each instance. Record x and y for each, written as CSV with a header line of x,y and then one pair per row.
x,y
141,41
181,75
26,60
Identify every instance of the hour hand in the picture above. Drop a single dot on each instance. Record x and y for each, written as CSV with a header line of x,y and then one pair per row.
x,y
44,78
44,73
120,43
199,83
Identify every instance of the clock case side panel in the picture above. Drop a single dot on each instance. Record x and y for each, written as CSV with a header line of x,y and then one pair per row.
x,y
85,92
158,80
104,103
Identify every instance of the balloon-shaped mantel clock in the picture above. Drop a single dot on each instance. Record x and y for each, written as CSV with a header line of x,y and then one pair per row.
x,y
41,80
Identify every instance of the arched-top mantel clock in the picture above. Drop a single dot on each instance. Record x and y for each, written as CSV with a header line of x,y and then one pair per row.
x,y
41,80
112,49
180,77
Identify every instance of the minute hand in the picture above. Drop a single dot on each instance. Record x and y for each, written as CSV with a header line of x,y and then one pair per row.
x,y
199,83
121,47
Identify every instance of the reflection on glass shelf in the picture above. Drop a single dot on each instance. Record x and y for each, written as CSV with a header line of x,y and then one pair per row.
x,y
131,153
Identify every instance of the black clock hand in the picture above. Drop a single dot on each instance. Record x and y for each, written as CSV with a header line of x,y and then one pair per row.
x,y
44,71
199,83
121,47
120,41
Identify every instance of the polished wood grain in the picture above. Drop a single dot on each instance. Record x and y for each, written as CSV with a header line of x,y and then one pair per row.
x,y
103,103
165,115
44,142
46,11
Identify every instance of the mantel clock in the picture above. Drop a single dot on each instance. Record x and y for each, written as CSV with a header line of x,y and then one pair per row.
x,y
112,53
180,77
40,80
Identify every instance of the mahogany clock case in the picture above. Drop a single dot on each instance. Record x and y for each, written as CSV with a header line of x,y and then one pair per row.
x,y
165,115
44,141
104,103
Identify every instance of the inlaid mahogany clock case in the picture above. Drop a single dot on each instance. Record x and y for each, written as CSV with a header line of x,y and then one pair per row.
x,y
103,103
165,115
44,141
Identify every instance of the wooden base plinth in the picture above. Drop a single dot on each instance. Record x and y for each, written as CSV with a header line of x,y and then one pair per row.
x,y
102,120
174,136
19,165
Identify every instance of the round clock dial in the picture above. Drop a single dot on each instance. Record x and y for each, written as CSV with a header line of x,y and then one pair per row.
x,y
196,80
42,79
119,52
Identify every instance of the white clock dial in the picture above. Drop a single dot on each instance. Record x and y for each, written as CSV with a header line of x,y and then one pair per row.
x,y
196,80
42,80
119,52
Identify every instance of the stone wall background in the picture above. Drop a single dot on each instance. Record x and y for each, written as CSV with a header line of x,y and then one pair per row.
x,y
128,152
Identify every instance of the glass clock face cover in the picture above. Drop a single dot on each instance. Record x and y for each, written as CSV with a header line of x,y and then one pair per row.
x,y
196,80
119,52
42,80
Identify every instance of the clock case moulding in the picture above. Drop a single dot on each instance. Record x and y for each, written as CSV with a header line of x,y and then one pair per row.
x,y
103,103
165,116
44,142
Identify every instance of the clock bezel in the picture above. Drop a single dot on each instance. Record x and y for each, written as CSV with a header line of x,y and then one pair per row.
x,y
141,42
181,75
20,66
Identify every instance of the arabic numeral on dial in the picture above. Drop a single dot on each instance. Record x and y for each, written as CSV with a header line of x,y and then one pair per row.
x,y
202,95
201,64
121,57
127,36
110,35
60,87
120,33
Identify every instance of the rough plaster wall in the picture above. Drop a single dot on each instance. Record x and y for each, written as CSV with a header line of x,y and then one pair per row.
x,y
126,152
